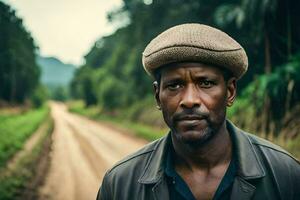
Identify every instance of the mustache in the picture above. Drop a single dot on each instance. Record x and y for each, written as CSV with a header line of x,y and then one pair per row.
x,y
190,113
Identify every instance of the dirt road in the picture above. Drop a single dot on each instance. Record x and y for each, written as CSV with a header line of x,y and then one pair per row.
x,y
82,151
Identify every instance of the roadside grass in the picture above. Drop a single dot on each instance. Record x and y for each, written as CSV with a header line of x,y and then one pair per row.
x,y
245,121
14,181
138,129
294,146
291,145
150,133
16,128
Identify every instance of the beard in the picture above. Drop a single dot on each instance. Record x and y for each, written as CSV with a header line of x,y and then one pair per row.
x,y
196,135
194,140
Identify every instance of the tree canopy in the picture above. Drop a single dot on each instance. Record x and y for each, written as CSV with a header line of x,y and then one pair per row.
x,y
113,76
19,73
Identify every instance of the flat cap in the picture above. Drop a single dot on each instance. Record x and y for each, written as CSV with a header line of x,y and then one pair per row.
x,y
195,43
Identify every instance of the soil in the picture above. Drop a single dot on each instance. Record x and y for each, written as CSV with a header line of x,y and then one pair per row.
x,y
39,168
82,151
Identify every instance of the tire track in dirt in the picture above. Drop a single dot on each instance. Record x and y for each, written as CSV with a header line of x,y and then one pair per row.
x,y
82,150
96,162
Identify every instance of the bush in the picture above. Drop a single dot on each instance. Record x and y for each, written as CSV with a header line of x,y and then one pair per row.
x,y
268,99
39,96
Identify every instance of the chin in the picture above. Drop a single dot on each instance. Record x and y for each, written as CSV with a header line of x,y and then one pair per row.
x,y
195,138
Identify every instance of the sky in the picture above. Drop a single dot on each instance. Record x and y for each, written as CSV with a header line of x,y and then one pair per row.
x,y
65,29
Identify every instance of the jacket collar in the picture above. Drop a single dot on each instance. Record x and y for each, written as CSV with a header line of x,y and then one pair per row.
x,y
154,170
249,166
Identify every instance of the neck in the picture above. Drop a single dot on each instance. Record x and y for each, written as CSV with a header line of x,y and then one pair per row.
x,y
216,151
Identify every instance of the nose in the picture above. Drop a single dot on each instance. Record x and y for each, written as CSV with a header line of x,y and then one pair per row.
x,y
190,97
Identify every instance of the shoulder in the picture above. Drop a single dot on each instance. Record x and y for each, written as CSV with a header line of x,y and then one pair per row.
x,y
134,162
124,175
280,164
271,149
266,150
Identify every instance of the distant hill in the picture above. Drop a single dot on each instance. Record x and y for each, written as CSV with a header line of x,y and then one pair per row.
x,y
56,76
55,73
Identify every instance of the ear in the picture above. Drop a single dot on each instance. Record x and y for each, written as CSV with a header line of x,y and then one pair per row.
x,y
231,91
156,93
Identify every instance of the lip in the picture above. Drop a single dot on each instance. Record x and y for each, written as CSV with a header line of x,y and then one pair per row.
x,y
191,122
190,118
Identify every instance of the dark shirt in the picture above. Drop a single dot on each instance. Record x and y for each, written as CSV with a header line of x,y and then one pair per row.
x,y
179,190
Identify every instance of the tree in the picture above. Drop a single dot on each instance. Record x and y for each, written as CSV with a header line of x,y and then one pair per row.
x,y
268,30
19,73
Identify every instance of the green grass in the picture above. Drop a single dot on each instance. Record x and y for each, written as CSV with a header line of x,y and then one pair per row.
x,y
293,146
14,184
15,129
139,129
78,107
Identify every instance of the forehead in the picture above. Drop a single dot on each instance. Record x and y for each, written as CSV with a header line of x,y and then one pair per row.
x,y
190,69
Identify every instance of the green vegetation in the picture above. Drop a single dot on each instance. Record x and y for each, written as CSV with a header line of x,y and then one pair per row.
x,y
23,95
113,78
16,129
39,96
19,73
271,99
291,146
14,181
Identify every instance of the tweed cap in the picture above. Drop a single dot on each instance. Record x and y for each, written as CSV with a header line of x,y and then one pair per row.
x,y
195,43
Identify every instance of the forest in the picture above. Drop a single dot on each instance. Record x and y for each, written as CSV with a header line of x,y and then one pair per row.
x,y
22,106
113,78
19,73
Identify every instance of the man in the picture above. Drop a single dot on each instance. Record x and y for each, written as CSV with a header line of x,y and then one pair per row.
x,y
204,156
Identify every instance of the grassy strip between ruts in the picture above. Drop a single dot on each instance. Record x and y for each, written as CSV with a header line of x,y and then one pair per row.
x,y
16,129
140,130
14,182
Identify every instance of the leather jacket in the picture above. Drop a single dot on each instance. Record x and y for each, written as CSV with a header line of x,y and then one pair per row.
x,y
265,171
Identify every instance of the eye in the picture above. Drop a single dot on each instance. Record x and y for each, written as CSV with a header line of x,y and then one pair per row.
x,y
206,83
173,86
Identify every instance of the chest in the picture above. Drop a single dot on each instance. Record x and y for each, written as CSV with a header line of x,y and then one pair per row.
x,y
204,185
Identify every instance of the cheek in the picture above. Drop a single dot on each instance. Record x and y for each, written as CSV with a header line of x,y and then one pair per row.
x,y
169,103
214,101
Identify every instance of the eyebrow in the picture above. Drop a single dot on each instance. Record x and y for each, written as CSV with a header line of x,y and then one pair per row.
x,y
172,79
200,76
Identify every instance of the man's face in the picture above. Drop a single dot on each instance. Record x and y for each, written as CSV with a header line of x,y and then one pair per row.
x,y
193,98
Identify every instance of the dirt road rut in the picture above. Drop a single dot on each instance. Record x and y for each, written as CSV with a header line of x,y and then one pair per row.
x,y
81,153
